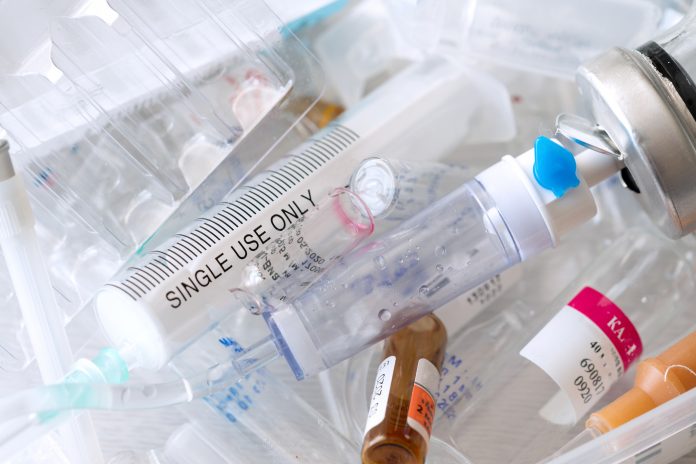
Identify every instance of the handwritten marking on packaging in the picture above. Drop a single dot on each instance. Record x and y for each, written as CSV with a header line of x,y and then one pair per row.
x,y
585,348
380,393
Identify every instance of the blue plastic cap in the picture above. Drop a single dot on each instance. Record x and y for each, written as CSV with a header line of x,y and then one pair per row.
x,y
554,167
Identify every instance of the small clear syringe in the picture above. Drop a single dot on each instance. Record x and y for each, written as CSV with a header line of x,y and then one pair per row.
x,y
508,213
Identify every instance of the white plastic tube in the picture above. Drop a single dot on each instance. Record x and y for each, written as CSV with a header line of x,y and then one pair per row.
x,y
42,316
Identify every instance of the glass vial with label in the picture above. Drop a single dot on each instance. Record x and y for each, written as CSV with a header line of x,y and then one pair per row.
x,y
402,406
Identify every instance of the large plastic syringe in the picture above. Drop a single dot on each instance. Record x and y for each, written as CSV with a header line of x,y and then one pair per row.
x,y
173,294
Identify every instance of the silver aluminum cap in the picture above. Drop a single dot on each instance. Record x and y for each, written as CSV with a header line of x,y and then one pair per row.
x,y
652,127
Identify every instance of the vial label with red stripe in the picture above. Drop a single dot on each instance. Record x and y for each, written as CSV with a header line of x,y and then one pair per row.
x,y
585,348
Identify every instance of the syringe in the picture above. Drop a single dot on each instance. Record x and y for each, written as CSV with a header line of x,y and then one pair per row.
x,y
501,217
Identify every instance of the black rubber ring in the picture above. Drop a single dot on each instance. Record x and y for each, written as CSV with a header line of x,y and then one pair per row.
x,y
672,70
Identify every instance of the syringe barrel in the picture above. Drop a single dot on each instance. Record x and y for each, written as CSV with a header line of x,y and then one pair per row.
x,y
253,241
430,259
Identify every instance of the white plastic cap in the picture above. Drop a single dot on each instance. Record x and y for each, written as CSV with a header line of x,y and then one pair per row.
x,y
127,322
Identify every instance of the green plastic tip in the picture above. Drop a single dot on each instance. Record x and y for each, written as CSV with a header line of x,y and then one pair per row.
x,y
112,365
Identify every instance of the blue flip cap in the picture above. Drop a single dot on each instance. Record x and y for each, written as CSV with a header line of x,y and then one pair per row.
x,y
554,167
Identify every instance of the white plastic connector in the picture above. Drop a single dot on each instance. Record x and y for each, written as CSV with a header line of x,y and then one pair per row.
x,y
535,217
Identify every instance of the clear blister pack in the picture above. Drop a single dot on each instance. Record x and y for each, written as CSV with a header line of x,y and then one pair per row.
x,y
151,99
237,302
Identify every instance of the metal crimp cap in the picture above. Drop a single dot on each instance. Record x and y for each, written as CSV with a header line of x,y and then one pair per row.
x,y
653,129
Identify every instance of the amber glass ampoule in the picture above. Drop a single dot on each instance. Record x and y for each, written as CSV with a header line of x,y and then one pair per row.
x,y
657,381
402,406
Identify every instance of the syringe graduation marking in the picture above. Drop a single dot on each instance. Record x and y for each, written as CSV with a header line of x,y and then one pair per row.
x,y
234,214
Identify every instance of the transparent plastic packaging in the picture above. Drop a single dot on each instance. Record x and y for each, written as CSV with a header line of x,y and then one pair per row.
x,y
545,37
360,50
421,24
678,42
82,388
152,352
144,110
134,117
42,316
78,269
479,357
31,33
300,15
658,380
451,94
665,432
257,419
632,274
480,345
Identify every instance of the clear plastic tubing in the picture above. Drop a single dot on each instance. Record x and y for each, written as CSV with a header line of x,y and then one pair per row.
x,y
485,226
395,190
162,305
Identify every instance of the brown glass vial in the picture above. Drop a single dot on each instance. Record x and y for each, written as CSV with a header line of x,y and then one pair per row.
x,y
402,407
